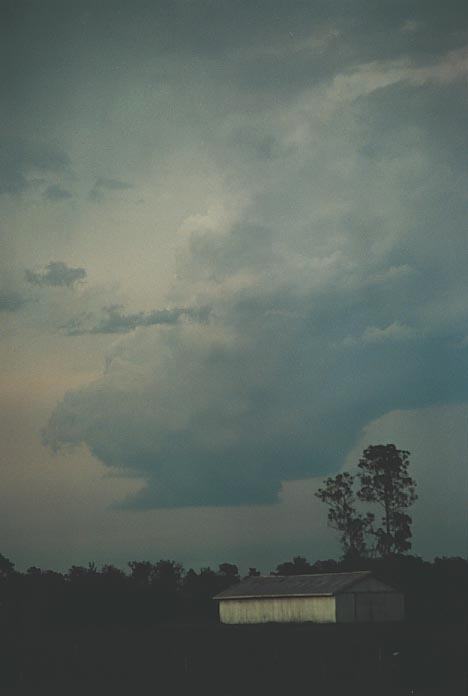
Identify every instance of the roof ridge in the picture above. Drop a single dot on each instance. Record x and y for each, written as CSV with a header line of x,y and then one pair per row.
x,y
306,575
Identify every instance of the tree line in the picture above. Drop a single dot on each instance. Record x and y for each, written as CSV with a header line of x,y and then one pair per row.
x,y
165,593
146,592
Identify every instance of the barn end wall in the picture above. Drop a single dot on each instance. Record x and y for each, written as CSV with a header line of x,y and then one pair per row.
x,y
278,610
364,607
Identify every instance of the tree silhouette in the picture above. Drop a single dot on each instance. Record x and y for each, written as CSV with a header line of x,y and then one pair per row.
x,y
385,480
253,573
141,572
229,572
339,495
6,567
111,574
298,566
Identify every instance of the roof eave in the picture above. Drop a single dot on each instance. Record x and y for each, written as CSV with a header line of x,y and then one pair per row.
x,y
276,596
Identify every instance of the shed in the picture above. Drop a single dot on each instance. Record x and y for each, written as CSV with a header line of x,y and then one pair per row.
x,y
321,598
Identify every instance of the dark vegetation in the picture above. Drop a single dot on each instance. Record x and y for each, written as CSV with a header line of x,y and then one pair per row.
x,y
162,593
154,627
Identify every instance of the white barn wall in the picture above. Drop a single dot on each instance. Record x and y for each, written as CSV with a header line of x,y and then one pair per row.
x,y
279,610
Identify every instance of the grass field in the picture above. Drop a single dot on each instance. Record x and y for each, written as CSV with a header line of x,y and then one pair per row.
x,y
226,661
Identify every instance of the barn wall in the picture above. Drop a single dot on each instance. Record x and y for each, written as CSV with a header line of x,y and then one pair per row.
x,y
369,606
281,610
379,606
345,604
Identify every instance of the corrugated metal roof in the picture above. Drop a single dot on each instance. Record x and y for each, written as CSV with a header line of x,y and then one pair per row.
x,y
293,585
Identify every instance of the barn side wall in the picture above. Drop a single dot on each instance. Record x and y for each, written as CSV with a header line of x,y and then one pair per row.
x,y
278,610
369,607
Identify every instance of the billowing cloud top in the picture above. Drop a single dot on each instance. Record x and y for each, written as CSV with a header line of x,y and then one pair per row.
x,y
306,164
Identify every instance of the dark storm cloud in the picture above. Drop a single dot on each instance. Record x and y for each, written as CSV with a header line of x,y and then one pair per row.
x,y
116,321
22,160
57,193
56,274
226,425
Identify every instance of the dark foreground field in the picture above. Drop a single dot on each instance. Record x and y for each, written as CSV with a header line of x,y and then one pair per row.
x,y
224,661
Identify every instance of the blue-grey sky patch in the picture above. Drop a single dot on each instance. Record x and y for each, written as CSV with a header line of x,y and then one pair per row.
x,y
23,159
103,185
55,193
11,301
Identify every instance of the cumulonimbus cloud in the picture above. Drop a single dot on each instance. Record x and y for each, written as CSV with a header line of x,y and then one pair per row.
x,y
271,389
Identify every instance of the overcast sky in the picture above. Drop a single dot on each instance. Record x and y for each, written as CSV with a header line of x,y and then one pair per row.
x,y
234,254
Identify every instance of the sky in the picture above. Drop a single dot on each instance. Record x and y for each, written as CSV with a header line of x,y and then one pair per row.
x,y
233,255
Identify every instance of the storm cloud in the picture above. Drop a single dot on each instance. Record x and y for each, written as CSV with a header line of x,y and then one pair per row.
x,y
335,300
305,164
